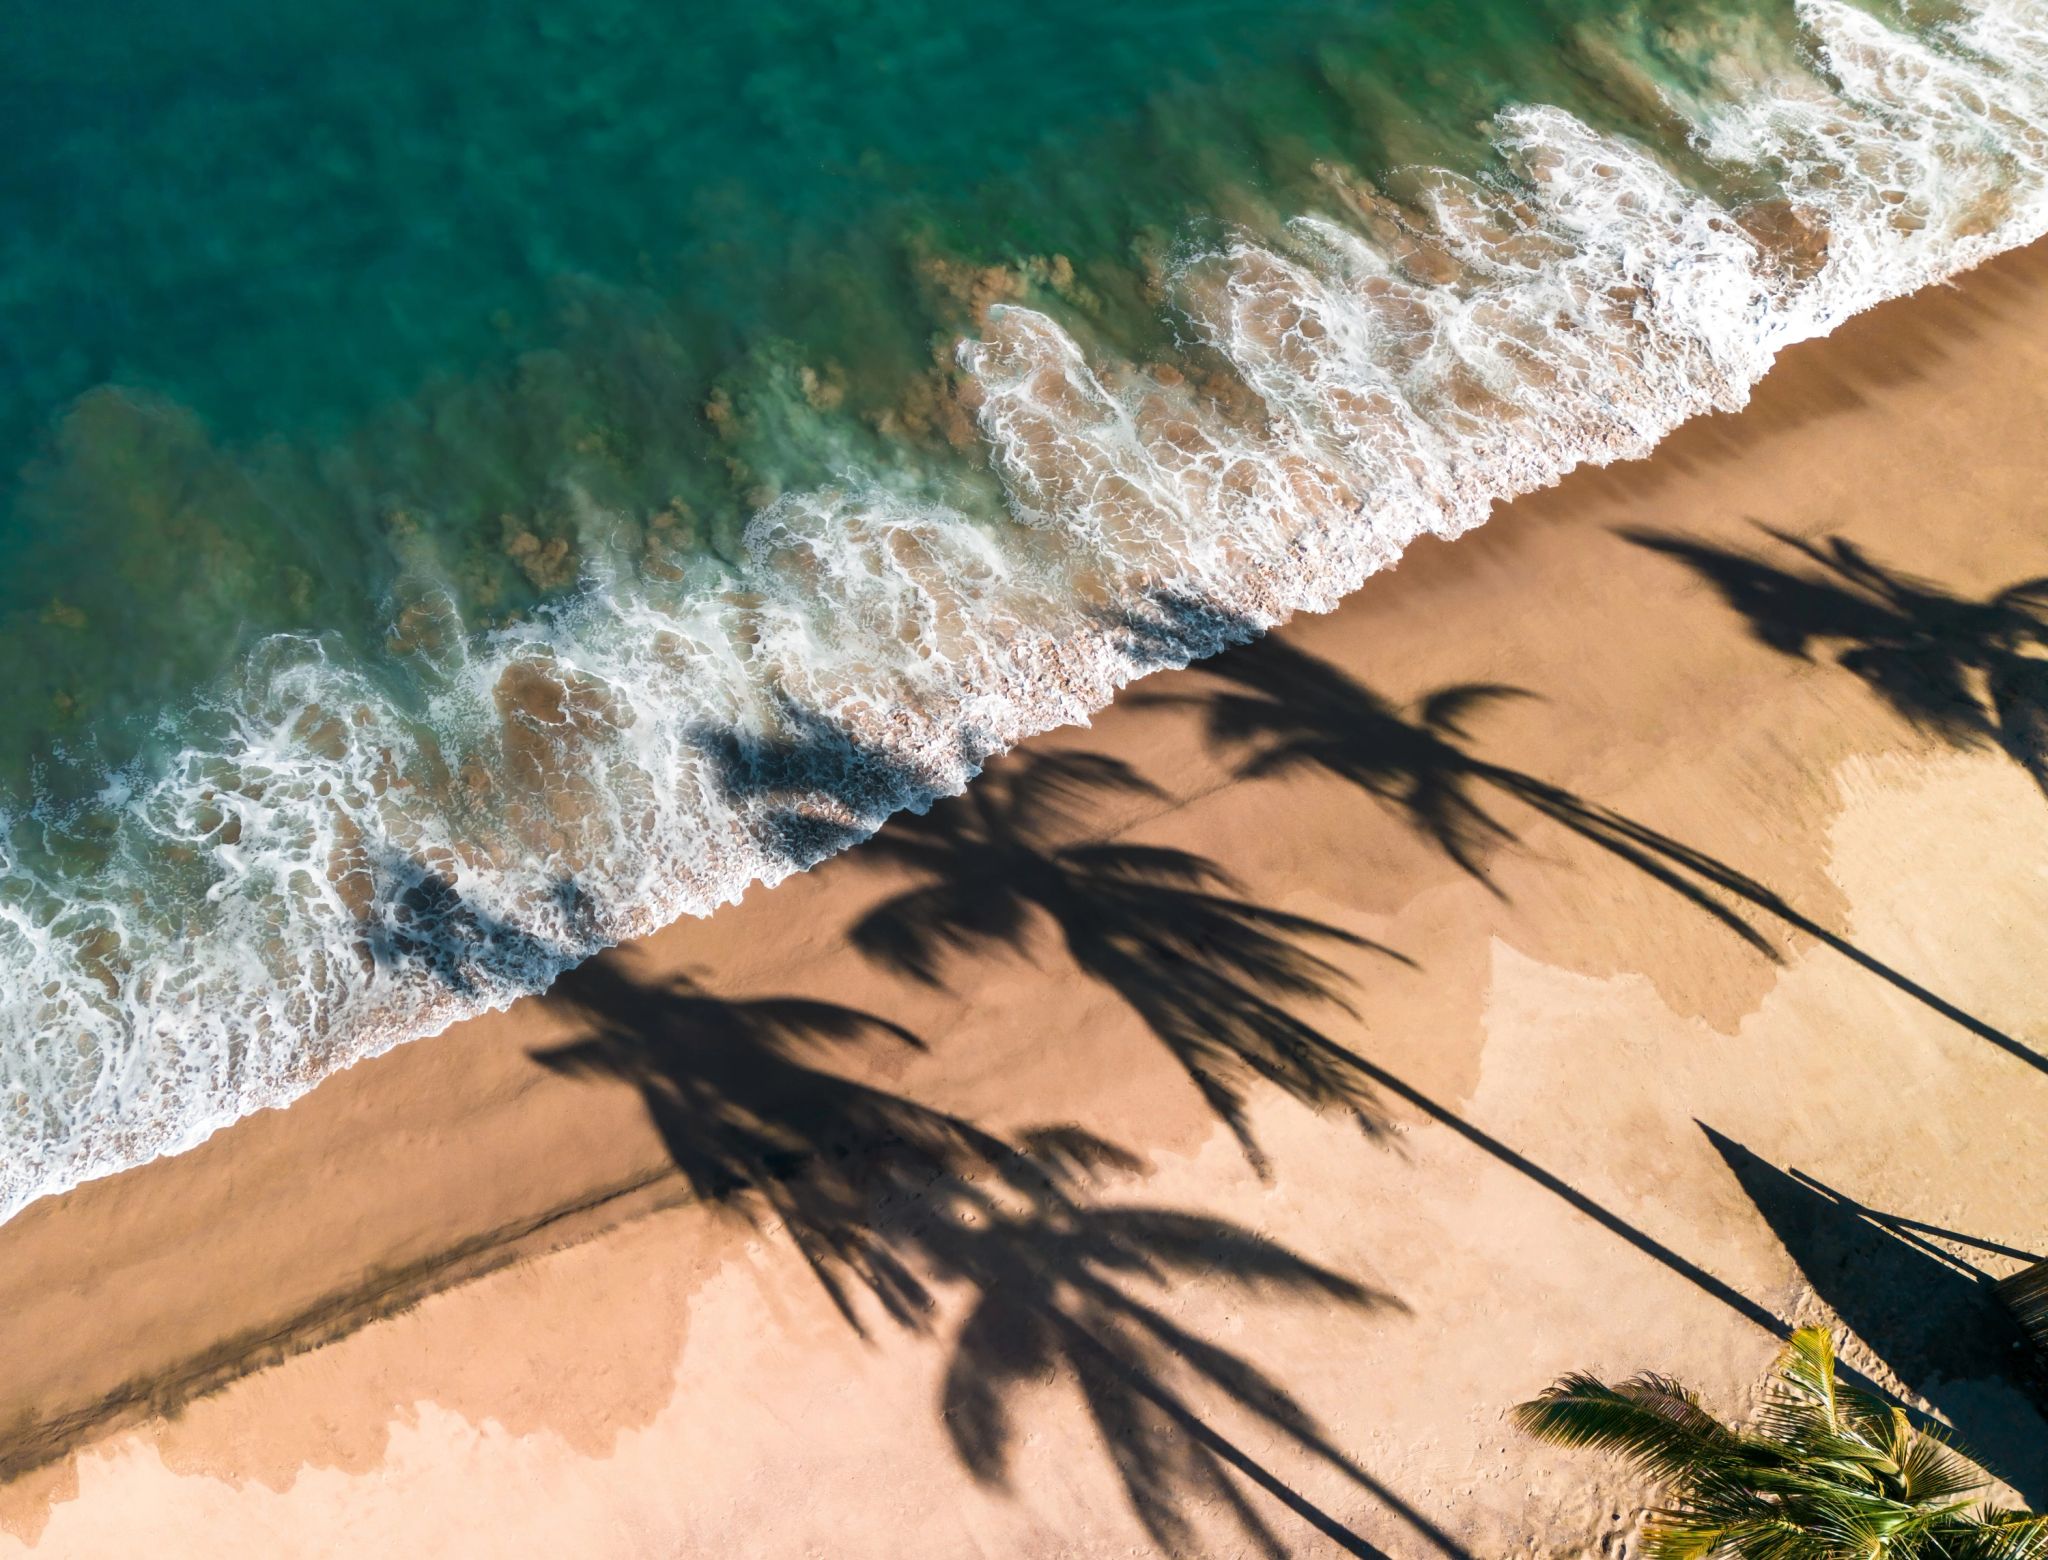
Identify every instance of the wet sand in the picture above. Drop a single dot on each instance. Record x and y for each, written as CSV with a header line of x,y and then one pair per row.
x,y
1199,1138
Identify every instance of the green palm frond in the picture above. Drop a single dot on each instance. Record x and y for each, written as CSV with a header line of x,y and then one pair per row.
x,y
1807,1409
1676,1538
1932,1470
1831,1473
1806,1379
1989,1533
1651,1420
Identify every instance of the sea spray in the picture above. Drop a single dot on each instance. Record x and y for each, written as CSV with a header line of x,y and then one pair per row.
x,y
318,863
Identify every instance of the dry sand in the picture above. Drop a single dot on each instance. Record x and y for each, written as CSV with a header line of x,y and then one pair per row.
x,y
1740,919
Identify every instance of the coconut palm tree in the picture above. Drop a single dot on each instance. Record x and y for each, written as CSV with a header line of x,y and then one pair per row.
x,y
1830,1472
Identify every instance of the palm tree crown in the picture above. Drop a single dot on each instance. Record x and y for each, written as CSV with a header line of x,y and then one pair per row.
x,y
1830,1473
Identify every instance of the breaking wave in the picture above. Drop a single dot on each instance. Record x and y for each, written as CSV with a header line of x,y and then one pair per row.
x,y
324,869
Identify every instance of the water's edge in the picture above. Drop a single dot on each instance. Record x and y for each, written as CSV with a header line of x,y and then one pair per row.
x,y
675,754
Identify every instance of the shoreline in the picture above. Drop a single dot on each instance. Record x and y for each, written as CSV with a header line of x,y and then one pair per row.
x,y
592,809
420,1172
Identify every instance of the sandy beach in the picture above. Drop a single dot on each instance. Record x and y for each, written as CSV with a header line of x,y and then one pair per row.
x,y
1609,941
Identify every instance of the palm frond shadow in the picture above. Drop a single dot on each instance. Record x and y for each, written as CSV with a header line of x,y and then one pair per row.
x,y
1283,710
1971,671
806,786
896,1202
418,919
1214,976
801,784
734,1090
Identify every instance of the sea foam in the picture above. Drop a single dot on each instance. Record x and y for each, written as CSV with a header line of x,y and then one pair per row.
x,y
329,871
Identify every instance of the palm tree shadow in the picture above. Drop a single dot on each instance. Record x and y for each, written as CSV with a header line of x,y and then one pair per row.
x,y
1059,1290
1211,974
1930,1315
896,1202
1973,672
807,786
417,919
1283,710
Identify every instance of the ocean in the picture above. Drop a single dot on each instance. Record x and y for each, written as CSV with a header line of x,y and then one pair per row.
x,y
483,482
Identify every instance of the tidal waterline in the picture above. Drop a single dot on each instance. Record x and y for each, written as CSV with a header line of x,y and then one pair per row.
x,y
484,486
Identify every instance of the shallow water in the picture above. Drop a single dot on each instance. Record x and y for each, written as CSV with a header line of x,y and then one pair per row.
x,y
483,488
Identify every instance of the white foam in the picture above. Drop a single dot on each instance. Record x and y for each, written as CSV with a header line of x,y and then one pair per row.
x,y
328,875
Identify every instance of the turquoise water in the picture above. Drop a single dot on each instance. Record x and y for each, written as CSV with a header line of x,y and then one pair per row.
x,y
480,482
273,275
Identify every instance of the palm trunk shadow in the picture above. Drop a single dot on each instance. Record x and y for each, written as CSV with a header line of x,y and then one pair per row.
x,y
1929,1315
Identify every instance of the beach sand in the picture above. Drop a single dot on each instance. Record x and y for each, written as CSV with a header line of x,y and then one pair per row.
x,y
1740,968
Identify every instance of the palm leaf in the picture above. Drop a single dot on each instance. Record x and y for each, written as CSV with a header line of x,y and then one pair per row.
x,y
1932,1470
1674,1537
1656,1424
1448,708
1991,1534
